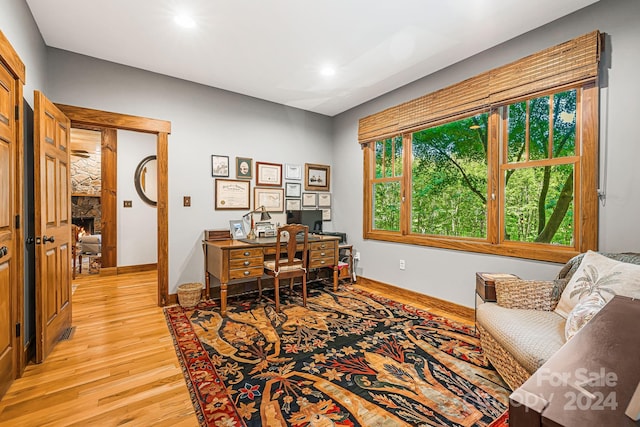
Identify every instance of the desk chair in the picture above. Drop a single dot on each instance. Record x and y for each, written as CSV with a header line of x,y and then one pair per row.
x,y
290,267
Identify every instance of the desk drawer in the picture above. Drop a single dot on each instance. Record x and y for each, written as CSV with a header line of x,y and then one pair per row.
x,y
325,253
318,246
239,264
246,272
245,253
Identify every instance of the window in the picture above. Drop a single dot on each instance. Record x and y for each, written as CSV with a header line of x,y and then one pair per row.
x,y
520,193
502,163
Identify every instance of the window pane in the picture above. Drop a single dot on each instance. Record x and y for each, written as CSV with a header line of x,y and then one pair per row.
x,y
386,206
539,128
379,158
564,123
539,205
398,156
449,179
517,122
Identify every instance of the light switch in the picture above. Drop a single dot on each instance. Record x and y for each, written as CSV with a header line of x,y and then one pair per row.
x,y
186,201
128,203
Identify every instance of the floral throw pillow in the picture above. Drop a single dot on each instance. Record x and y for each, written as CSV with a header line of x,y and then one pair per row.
x,y
601,276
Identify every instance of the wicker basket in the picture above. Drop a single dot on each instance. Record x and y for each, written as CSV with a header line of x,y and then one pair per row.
x,y
189,294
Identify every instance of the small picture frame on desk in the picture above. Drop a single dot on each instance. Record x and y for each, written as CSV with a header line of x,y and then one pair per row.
x,y
237,229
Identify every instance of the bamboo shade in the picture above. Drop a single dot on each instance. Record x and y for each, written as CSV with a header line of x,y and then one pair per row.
x,y
570,62
379,125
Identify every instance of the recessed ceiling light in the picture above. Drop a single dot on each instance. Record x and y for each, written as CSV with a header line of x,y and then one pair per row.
x,y
185,21
328,71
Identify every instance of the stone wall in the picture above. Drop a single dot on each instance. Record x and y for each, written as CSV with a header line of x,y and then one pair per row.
x,y
87,185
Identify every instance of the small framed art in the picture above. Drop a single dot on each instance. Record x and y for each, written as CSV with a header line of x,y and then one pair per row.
x,y
292,189
324,200
293,205
326,214
269,174
219,165
317,177
309,200
271,198
237,229
293,172
244,168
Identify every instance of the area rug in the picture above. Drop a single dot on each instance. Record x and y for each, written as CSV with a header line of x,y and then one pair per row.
x,y
350,358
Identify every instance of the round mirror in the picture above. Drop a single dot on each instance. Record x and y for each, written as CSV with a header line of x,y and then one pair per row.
x,y
146,180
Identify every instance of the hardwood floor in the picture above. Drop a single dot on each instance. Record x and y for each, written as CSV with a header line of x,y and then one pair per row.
x,y
119,367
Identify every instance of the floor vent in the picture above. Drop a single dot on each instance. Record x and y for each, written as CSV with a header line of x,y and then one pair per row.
x,y
67,334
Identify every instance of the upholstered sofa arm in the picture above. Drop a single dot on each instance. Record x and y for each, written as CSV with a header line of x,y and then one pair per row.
x,y
529,294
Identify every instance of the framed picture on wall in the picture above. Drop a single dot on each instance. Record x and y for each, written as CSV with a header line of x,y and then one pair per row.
x,y
293,205
293,172
271,198
309,200
232,194
317,177
268,174
292,189
219,165
244,168
326,214
324,200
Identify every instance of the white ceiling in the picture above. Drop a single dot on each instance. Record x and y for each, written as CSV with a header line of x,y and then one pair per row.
x,y
275,49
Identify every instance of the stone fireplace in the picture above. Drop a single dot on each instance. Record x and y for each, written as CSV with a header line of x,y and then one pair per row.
x,y
86,211
86,188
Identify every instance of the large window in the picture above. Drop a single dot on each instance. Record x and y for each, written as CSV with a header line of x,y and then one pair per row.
x,y
512,180
503,163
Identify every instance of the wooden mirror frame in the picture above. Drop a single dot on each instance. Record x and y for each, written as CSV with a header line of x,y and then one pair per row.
x,y
140,182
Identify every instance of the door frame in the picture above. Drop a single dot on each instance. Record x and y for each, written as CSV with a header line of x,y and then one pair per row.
x,y
85,117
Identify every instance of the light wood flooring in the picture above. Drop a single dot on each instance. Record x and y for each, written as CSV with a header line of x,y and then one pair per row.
x,y
120,366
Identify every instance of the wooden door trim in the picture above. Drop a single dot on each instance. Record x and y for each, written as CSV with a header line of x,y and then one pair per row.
x,y
9,57
82,117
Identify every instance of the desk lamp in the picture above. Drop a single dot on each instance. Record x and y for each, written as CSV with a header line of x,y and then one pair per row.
x,y
264,216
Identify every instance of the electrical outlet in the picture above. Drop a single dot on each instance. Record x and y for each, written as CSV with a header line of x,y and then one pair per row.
x,y
402,264
186,201
128,203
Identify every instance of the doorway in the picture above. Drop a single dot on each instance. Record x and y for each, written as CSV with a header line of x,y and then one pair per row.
x,y
109,123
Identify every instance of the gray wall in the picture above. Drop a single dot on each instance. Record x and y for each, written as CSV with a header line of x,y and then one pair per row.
x,y
449,274
204,121
18,26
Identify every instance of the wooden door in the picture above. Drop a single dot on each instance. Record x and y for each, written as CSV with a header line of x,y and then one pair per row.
x,y
52,224
8,233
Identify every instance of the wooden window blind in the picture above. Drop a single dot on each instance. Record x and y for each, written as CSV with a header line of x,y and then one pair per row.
x,y
567,63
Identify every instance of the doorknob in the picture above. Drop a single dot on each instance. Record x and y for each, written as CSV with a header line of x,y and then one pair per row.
x,y
46,239
3,251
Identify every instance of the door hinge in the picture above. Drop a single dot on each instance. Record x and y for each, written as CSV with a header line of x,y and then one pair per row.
x,y
17,222
17,112
17,329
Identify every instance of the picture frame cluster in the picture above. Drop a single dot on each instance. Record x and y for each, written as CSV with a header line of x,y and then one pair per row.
x,y
305,187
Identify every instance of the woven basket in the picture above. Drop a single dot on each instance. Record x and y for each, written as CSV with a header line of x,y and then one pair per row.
x,y
189,294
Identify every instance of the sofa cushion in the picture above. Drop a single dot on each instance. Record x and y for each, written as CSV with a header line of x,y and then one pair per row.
x,y
530,336
599,275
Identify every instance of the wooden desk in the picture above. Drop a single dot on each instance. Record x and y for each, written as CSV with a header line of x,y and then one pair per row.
x,y
606,352
236,261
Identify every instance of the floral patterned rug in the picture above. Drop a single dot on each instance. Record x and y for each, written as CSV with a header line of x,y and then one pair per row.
x,y
350,358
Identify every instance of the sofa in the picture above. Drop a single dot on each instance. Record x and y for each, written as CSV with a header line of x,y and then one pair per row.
x,y
521,330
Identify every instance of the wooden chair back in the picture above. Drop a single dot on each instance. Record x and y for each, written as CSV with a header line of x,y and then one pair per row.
x,y
287,236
